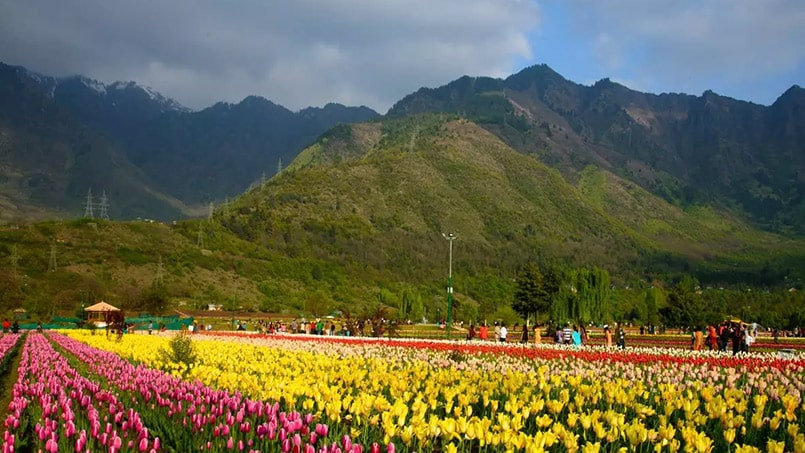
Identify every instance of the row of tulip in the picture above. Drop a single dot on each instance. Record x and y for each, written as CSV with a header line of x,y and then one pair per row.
x,y
71,412
459,396
7,343
648,354
194,417
765,344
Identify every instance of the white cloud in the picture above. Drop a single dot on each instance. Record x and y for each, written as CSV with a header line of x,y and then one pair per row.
x,y
296,53
692,45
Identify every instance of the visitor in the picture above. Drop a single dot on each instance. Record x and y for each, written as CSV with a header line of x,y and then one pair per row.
x,y
749,338
712,337
724,337
537,334
6,325
524,337
504,333
607,336
737,338
567,334
15,328
150,327
575,337
483,332
497,330
698,339
621,337
471,333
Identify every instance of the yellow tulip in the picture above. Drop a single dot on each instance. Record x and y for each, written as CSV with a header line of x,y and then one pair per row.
x,y
590,447
773,446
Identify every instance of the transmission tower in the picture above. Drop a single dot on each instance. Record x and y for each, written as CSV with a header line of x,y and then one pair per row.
x,y
279,165
160,277
103,205
212,209
14,259
412,142
263,179
200,241
226,207
88,207
52,263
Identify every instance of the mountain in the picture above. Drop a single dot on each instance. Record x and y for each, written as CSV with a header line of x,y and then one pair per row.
x,y
690,150
49,159
154,157
356,220
374,198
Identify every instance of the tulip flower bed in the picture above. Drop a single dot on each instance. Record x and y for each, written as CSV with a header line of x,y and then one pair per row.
x,y
114,406
425,396
71,412
7,343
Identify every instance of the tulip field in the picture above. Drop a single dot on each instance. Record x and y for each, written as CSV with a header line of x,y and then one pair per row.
x,y
76,391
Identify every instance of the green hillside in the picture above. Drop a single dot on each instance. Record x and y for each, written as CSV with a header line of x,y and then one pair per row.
x,y
358,219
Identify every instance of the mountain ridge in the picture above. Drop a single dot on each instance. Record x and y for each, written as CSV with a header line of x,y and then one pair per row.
x,y
178,160
688,149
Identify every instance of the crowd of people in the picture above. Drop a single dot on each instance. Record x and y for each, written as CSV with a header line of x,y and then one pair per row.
x,y
569,334
314,327
733,335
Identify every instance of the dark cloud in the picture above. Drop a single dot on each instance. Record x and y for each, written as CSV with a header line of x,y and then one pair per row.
x,y
296,53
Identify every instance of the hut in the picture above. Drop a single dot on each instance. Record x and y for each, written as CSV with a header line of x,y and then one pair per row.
x,y
99,313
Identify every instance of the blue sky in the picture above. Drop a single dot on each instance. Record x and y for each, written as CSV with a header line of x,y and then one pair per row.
x,y
309,52
750,50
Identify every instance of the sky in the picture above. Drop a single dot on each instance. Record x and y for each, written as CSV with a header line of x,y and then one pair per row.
x,y
301,53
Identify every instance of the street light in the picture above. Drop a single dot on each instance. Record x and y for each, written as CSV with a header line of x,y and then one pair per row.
x,y
450,237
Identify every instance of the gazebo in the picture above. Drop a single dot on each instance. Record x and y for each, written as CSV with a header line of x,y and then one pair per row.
x,y
98,313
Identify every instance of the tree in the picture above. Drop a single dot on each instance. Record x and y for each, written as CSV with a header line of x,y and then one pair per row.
x,y
685,307
584,296
534,292
155,298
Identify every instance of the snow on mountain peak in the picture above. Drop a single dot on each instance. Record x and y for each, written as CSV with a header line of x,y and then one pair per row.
x,y
152,93
48,83
94,85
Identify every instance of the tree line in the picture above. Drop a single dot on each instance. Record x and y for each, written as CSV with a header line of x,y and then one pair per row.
x,y
557,294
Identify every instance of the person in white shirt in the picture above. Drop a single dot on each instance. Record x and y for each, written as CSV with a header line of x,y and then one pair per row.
x,y
503,332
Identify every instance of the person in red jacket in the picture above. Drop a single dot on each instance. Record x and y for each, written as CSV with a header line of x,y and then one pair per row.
x,y
483,332
6,325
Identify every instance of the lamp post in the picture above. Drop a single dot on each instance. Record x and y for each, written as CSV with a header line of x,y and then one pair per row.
x,y
450,237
